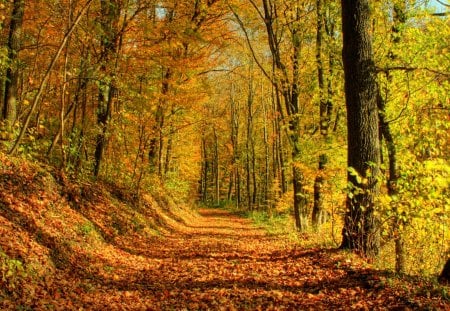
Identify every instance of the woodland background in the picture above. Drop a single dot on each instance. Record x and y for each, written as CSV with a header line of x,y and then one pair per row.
x,y
188,97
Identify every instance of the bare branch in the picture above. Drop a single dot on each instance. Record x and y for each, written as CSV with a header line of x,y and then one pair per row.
x,y
241,24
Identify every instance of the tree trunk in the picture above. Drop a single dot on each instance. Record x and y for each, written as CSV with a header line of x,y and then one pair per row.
x,y
216,168
319,215
399,19
266,154
249,145
157,141
325,108
109,19
9,111
46,77
361,228
444,277
205,169
235,175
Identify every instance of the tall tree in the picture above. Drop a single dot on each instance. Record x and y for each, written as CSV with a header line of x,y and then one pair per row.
x,y
386,133
110,44
9,111
360,232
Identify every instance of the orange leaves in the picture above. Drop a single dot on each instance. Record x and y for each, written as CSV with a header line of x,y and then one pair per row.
x,y
212,261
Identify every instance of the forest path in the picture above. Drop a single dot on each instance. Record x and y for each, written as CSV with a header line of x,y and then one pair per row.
x,y
222,262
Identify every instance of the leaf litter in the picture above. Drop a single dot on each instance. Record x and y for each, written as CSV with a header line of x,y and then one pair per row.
x,y
212,260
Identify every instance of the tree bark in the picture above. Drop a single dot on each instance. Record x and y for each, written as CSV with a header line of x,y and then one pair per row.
x,y
319,215
361,228
249,158
444,277
235,175
110,14
216,168
9,111
325,108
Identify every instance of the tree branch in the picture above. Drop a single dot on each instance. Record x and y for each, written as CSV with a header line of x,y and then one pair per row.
x,y
47,75
241,24
408,69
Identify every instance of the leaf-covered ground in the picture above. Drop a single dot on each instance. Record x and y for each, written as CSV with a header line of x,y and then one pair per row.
x,y
68,247
221,262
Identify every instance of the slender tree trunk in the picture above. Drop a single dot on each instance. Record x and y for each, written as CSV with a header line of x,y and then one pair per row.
x,y
399,19
110,14
249,154
235,177
319,215
266,189
63,93
43,83
205,169
157,141
323,104
216,168
278,147
361,228
168,153
9,111
300,207
80,98
254,179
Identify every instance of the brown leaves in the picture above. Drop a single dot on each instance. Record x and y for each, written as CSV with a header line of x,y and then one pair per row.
x,y
216,261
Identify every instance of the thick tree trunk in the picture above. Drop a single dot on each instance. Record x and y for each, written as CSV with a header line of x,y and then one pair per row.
x,y
9,111
361,228
444,277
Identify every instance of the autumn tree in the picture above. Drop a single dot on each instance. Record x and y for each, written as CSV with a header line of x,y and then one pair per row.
x,y
11,81
110,45
386,134
360,231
